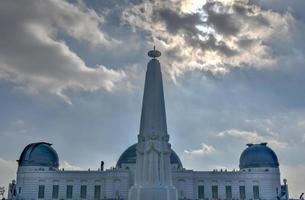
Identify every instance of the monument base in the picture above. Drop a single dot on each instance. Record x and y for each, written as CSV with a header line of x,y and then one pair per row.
x,y
153,193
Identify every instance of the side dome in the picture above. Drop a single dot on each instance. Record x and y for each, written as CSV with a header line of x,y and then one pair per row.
x,y
39,154
129,156
258,155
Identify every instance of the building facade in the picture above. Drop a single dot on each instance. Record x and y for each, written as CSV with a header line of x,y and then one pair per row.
x,y
39,176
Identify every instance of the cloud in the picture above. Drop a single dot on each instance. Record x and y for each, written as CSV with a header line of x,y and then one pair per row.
x,y
253,137
205,150
216,37
34,56
175,22
67,166
18,123
220,36
301,123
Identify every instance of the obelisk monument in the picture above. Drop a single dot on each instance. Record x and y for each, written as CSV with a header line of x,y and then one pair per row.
x,y
153,178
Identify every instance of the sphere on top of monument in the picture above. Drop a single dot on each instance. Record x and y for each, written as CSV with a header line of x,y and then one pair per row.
x,y
39,154
258,155
154,53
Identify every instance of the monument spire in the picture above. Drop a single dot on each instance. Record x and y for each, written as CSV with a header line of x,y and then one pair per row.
x,y
153,178
153,116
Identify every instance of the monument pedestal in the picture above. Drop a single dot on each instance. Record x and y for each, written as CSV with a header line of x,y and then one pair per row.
x,y
153,193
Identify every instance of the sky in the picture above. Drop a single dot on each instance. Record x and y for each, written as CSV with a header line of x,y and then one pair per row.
x,y
72,74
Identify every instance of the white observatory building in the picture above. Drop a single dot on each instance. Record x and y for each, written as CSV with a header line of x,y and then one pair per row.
x,y
149,169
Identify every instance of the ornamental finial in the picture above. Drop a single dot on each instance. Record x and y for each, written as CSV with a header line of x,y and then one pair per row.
x,y
154,53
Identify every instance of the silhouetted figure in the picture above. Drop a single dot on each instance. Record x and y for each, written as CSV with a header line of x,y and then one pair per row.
x,y
302,196
102,165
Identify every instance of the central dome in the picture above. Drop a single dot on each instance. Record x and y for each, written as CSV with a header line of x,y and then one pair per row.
x,y
129,156
258,155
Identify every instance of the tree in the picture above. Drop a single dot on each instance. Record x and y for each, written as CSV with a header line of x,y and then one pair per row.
x,y
2,191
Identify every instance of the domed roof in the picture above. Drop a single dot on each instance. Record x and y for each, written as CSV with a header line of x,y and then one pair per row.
x,y
258,155
129,156
39,154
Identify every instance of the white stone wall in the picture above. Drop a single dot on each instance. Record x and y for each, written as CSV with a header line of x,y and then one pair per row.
x,y
186,182
268,181
109,180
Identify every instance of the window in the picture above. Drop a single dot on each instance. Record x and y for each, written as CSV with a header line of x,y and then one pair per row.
x,y
181,194
69,191
97,192
215,192
55,190
181,188
200,192
228,192
83,191
242,192
41,191
255,192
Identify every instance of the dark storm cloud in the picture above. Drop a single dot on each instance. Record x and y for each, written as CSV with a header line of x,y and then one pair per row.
x,y
236,34
222,21
212,44
227,19
178,23
245,43
175,21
